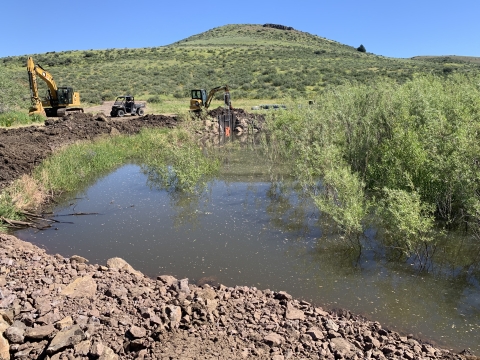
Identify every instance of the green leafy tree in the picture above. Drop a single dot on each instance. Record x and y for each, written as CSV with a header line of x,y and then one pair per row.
x,y
361,48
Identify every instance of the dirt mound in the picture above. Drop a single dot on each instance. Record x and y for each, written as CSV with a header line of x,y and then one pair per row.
x,y
243,118
24,148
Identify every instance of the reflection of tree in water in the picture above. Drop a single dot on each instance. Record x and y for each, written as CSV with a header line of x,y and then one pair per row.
x,y
290,209
188,205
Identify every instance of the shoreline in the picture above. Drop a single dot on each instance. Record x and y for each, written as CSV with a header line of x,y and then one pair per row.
x,y
54,307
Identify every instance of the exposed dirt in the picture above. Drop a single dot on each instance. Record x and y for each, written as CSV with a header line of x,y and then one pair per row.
x,y
106,107
22,149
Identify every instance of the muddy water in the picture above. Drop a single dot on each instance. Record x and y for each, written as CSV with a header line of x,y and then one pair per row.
x,y
245,229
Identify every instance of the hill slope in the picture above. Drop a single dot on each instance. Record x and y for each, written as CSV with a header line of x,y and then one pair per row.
x,y
255,61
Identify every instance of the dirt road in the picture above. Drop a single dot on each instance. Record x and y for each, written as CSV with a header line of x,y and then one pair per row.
x,y
107,106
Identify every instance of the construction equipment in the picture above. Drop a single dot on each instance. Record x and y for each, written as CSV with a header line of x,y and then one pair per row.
x,y
126,105
59,100
200,100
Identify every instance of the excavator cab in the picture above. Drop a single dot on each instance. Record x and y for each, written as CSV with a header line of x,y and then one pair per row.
x,y
65,96
199,99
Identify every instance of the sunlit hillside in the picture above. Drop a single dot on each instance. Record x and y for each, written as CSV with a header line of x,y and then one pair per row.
x,y
254,60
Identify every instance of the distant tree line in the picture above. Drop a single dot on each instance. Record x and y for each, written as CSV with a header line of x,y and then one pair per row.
x,y
280,27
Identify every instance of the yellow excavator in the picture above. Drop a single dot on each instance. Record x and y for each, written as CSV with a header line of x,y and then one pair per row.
x,y
59,100
200,100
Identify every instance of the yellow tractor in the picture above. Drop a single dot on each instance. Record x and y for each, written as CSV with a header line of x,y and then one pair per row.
x,y
200,100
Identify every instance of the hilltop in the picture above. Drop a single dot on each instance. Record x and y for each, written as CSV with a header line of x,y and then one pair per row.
x,y
254,60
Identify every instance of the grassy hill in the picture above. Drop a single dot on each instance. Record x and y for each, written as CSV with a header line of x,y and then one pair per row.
x,y
255,61
451,60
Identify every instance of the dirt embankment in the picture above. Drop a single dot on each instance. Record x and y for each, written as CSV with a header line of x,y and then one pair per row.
x,y
57,308
22,149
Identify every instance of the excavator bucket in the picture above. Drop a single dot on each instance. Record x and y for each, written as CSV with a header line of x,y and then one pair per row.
x,y
36,108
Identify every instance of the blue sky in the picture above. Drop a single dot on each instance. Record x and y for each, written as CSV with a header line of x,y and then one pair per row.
x,y
390,28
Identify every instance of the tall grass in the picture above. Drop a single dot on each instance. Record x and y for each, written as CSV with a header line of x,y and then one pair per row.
x,y
17,118
412,147
156,148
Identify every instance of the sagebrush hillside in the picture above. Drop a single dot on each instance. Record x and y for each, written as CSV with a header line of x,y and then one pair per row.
x,y
255,61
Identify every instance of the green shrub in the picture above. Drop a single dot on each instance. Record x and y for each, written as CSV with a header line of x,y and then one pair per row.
x,y
15,118
407,222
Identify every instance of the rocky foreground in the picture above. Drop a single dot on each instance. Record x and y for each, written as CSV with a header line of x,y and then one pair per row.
x,y
58,308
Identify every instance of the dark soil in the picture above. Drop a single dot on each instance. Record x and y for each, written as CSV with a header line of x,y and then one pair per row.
x,y
21,149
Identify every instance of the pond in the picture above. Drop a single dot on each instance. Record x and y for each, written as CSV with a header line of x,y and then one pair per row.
x,y
251,228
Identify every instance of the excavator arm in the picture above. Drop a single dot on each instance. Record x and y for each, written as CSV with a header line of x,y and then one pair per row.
x,y
214,91
34,70
37,106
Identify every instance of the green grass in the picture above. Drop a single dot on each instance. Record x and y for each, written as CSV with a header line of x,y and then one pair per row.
x,y
156,148
19,118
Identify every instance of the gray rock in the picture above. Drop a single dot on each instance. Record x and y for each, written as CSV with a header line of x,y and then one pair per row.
x,y
108,354
97,349
65,338
79,259
182,286
282,295
174,314
315,333
120,264
64,323
39,332
137,332
82,348
15,335
331,325
273,339
84,287
167,279
342,347
293,313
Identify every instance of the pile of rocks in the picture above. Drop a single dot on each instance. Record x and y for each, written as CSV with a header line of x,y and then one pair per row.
x,y
57,308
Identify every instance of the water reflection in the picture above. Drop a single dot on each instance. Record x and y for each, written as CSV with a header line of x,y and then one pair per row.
x,y
261,230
